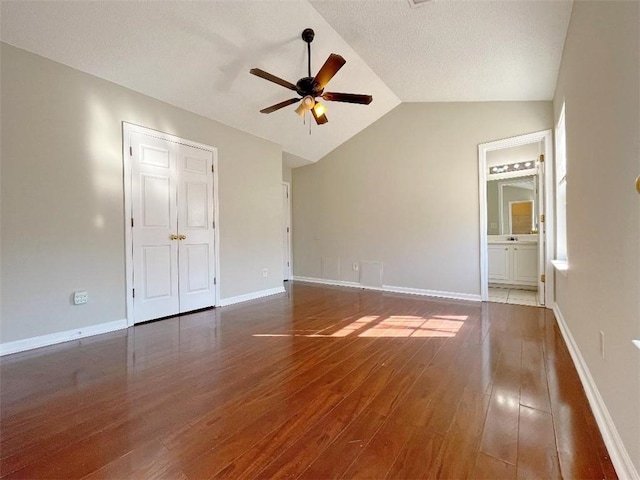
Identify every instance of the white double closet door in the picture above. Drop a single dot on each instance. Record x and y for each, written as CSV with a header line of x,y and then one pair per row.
x,y
172,228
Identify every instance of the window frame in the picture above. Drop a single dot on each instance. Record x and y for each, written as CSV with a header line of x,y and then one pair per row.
x,y
561,261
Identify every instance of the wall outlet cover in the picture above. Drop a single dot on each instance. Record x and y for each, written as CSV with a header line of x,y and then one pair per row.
x,y
80,298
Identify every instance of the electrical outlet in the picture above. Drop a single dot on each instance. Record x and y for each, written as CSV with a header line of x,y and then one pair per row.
x,y
80,298
265,272
601,343
355,266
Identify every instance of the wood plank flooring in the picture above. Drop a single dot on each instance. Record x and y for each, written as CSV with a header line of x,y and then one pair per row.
x,y
321,382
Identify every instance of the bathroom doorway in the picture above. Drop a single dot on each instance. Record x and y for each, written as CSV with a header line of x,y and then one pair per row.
x,y
515,226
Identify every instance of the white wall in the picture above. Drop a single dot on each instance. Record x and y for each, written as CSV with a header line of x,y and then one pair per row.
x,y
62,196
599,81
405,192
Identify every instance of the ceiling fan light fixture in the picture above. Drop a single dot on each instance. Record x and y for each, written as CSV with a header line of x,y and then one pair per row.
x,y
300,110
308,102
320,109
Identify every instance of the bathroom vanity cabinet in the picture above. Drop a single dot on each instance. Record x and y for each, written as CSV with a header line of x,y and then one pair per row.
x,y
513,263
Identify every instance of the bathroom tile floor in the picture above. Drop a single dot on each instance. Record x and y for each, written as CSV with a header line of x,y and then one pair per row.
x,y
513,296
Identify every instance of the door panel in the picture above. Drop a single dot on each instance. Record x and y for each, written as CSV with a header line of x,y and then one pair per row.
x,y
197,205
154,201
156,272
155,215
197,277
195,227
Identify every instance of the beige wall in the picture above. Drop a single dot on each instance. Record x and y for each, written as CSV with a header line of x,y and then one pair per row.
x,y
405,192
62,196
599,81
286,174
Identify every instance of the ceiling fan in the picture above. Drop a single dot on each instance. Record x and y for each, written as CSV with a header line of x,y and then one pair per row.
x,y
309,88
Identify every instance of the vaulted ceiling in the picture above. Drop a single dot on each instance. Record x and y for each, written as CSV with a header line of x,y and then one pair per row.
x,y
196,55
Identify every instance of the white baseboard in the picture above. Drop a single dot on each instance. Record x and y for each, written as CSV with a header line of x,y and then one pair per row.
x,y
335,283
617,451
392,289
59,337
250,296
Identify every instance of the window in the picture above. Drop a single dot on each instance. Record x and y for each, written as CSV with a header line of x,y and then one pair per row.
x,y
561,194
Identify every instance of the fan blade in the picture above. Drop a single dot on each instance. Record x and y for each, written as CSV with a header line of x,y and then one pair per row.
x,y
347,97
320,119
280,105
272,78
329,69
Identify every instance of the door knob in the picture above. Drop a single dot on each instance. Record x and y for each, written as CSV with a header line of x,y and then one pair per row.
x,y
174,237
182,237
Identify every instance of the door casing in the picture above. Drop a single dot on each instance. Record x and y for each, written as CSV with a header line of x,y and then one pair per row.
x,y
547,209
127,130
287,234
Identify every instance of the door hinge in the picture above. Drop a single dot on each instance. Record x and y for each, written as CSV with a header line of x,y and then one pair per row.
x,y
543,278
213,224
215,280
542,218
134,293
211,168
287,229
131,151
542,158
287,264
131,222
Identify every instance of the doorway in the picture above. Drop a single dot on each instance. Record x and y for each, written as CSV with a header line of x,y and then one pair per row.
x,y
516,200
286,231
170,224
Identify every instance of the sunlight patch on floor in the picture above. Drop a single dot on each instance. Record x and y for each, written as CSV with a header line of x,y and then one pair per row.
x,y
393,326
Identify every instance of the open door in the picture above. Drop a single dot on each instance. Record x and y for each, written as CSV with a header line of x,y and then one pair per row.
x,y
540,192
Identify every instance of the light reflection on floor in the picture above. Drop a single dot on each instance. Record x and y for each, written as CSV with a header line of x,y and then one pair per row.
x,y
392,326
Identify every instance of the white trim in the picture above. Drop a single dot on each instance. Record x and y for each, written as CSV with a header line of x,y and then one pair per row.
x,y
636,343
547,208
393,289
290,259
59,337
617,451
127,130
335,283
561,266
250,296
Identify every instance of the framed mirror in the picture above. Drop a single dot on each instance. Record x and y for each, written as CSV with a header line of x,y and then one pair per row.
x,y
512,206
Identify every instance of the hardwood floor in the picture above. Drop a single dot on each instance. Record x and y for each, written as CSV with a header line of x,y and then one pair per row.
x,y
322,382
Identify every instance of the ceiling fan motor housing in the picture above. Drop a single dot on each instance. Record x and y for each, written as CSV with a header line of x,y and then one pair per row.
x,y
308,86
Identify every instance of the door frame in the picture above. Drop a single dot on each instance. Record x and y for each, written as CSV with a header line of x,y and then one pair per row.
x,y
547,209
290,259
127,130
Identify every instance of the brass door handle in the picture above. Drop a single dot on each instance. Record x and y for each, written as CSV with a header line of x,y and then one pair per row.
x,y
174,237
182,237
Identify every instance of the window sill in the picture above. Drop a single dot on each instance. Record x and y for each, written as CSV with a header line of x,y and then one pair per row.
x,y
561,266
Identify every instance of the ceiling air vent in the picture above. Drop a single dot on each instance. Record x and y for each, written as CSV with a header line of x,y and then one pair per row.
x,y
418,3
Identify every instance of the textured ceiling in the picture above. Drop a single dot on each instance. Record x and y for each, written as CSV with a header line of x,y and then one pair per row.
x,y
197,55
452,50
